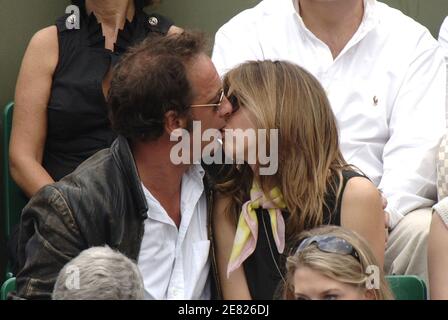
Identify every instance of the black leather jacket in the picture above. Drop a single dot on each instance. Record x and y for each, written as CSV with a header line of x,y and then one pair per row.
x,y
102,202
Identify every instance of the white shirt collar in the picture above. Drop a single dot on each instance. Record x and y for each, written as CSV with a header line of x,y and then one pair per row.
x,y
369,21
192,180
195,172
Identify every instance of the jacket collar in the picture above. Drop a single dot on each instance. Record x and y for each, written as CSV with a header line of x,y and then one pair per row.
x,y
121,152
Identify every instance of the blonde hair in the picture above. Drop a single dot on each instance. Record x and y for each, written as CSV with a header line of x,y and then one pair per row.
x,y
283,96
339,267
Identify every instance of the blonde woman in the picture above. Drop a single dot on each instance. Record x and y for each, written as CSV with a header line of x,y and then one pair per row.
x,y
255,216
333,263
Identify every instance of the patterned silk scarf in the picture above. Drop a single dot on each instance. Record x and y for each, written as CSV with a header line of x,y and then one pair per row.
x,y
247,230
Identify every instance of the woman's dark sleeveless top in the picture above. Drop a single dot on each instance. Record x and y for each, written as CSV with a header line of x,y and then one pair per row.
x,y
262,273
78,124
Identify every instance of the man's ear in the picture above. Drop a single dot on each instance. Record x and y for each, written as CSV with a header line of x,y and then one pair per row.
x,y
173,122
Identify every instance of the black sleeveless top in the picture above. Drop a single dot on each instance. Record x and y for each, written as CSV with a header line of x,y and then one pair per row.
x,y
262,273
78,124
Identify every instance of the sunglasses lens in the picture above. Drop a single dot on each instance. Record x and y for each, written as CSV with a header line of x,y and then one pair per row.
x,y
335,245
329,244
234,102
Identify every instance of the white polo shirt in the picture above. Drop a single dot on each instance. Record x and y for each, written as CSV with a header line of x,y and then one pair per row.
x,y
386,88
175,262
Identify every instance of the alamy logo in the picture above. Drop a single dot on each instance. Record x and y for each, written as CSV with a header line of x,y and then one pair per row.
x,y
250,146
373,279
72,280
72,21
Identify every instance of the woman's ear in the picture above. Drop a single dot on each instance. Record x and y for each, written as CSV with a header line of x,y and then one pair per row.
x,y
174,124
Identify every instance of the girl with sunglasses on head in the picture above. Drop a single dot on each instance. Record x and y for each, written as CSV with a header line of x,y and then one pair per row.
x,y
333,263
257,216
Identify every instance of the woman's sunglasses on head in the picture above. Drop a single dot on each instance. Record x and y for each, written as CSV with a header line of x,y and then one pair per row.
x,y
329,244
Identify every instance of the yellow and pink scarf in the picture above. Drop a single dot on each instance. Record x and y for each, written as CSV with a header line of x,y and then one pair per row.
x,y
247,230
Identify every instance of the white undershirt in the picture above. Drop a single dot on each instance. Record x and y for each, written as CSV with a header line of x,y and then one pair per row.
x,y
175,263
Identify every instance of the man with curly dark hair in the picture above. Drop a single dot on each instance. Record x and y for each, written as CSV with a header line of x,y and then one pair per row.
x,y
131,196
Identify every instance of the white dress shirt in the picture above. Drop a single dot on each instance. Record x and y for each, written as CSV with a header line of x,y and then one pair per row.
x,y
443,37
175,262
386,88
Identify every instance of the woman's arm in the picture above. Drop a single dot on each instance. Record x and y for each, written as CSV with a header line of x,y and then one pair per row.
x,y
438,259
29,126
362,212
235,287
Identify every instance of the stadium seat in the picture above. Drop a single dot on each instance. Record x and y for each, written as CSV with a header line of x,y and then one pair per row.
x,y
407,287
7,287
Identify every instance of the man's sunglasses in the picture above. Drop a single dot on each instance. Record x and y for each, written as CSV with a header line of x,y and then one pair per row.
x,y
232,99
330,244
